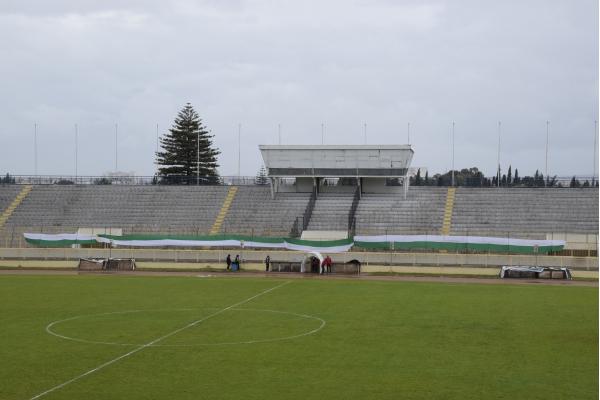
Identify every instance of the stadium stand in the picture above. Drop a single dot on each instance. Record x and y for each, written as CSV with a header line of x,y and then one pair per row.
x,y
527,213
422,212
143,209
253,211
518,212
7,195
331,212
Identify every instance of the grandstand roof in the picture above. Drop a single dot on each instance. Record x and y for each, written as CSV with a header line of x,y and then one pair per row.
x,y
337,160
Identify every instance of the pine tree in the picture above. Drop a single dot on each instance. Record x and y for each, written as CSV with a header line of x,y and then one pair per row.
x,y
188,150
426,178
509,176
516,179
261,177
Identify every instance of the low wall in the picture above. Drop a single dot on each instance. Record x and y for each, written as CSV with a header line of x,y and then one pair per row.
x,y
366,258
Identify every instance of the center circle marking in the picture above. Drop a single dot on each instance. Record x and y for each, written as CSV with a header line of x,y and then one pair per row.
x,y
50,328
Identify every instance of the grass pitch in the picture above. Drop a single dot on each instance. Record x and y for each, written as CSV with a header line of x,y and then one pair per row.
x,y
233,338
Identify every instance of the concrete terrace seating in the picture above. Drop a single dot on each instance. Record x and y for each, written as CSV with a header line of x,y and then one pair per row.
x,y
517,212
422,212
177,209
331,212
7,195
254,212
524,212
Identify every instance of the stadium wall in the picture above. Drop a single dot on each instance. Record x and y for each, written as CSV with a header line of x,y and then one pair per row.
x,y
366,258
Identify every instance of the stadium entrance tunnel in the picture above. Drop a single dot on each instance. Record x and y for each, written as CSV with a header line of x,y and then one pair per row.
x,y
309,261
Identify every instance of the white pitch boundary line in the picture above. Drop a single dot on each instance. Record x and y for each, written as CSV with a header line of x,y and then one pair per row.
x,y
142,347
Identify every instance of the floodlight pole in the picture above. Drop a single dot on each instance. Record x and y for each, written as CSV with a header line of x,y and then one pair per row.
x,y
239,149
547,131
198,158
157,138
279,133
452,153
76,138
35,165
408,132
365,132
594,161
116,141
498,171
322,133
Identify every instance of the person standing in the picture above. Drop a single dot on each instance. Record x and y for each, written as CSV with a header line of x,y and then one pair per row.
x,y
328,263
228,261
267,262
237,262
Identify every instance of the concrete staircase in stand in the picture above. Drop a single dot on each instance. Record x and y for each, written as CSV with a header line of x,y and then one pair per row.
x,y
15,203
216,228
448,209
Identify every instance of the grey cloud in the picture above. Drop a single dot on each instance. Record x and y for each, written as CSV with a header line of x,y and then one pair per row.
x,y
300,64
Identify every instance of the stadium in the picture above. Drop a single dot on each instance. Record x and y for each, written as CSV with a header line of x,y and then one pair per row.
x,y
121,290
299,200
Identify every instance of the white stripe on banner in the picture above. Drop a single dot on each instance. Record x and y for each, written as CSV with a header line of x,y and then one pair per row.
x,y
57,237
332,249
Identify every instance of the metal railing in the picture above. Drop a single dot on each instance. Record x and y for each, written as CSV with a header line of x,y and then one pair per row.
x,y
352,213
309,209
188,180
482,182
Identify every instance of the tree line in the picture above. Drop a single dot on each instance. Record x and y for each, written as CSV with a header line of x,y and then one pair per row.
x,y
473,177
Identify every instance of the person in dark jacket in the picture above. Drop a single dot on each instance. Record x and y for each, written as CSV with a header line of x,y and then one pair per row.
x,y
267,262
228,261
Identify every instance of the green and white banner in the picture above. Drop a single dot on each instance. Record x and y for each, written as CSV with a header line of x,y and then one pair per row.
x,y
438,242
58,240
387,242
331,246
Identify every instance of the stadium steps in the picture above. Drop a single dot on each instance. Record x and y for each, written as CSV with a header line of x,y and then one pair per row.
x,y
136,209
447,223
422,212
216,228
14,204
524,212
331,212
254,212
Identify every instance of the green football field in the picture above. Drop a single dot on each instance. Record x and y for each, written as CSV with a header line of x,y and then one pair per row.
x,y
140,337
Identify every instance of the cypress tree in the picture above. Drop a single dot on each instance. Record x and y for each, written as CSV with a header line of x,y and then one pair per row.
x,y
187,150
574,183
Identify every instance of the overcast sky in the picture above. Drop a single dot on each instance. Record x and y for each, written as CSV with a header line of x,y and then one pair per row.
x,y
343,63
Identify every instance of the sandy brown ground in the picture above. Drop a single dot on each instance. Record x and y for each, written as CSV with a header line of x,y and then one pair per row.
x,y
288,275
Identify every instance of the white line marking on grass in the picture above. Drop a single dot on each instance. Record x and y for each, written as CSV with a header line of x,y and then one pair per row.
x,y
142,347
50,327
